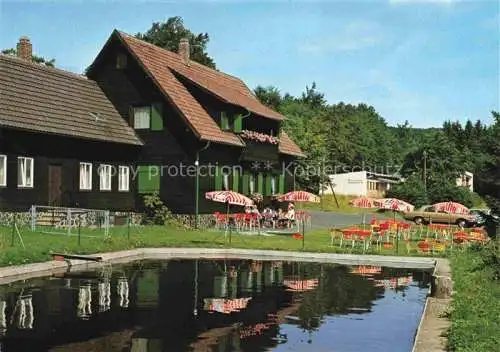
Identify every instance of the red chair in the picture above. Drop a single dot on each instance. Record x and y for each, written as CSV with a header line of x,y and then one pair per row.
x,y
424,247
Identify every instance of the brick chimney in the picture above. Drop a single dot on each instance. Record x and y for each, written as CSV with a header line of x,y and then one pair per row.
x,y
184,50
24,48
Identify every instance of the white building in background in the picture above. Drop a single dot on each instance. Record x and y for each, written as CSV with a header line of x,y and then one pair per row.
x,y
466,180
360,183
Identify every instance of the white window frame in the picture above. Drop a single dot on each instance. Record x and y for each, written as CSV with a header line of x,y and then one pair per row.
x,y
123,178
143,109
105,173
85,180
3,164
24,180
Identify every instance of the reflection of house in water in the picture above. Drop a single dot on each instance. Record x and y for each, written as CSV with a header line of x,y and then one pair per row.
x,y
84,308
104,292
197,305
3,317
123,292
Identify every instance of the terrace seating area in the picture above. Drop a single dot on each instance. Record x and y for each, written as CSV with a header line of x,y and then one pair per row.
x,y
391,234
256,221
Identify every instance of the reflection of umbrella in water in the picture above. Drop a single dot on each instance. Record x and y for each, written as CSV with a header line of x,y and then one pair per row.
x,y
298,285
225,305
394,282
366,270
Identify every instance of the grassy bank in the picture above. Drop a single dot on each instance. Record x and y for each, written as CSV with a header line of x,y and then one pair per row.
x,y
475,316
37,247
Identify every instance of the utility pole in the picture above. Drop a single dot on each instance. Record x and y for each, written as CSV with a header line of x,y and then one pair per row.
x,y
425,170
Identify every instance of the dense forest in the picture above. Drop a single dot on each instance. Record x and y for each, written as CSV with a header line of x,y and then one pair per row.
x,y
344,137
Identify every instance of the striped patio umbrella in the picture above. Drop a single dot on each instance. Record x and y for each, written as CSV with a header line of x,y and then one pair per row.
x,y
299,196
228,197
393,204
363,202
451,207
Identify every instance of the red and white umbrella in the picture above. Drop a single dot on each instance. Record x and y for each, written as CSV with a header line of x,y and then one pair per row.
x,y
299,196
394,204
451,207
229,197
363,202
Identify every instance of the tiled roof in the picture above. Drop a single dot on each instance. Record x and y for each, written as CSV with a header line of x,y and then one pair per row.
x,y
48,100
228,88
153,60
161,64
287,146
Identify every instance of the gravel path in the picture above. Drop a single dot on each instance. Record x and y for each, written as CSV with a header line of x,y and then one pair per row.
x,y
326,219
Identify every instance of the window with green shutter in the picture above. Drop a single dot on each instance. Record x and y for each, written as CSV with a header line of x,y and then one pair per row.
x,y
245,183
218,178
148,179
156,117
236,179
282,184
260,183
238,123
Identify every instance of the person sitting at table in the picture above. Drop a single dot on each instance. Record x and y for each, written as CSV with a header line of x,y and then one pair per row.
x,y
290,215
281,218
255,211
248,209
268,216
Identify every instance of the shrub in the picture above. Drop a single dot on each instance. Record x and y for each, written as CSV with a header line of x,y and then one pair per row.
x,y
157,212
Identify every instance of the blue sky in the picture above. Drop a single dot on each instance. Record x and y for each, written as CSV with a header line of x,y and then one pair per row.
x,y
425,61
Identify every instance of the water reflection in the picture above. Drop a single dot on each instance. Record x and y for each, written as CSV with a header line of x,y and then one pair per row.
x,y
84,309
220,305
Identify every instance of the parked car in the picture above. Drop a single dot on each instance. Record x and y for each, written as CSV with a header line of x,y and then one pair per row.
x,y
428,214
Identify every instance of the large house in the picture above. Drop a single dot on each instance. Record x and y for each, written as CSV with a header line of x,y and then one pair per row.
x,y
144,120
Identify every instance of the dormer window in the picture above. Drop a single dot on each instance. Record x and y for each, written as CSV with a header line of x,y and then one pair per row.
x,y
149,117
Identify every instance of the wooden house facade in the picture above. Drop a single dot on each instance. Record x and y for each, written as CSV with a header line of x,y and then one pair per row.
x,y
163,116
62,142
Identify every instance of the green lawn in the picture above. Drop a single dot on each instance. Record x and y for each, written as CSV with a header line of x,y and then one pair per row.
x,y
39,246
475,315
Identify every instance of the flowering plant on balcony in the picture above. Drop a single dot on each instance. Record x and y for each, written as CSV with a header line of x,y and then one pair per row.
x,y
259,137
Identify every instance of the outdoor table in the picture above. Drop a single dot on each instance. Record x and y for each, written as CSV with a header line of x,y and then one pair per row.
x,y
356,234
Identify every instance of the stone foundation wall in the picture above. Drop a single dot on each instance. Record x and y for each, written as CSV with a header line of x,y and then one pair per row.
x,y
23,219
